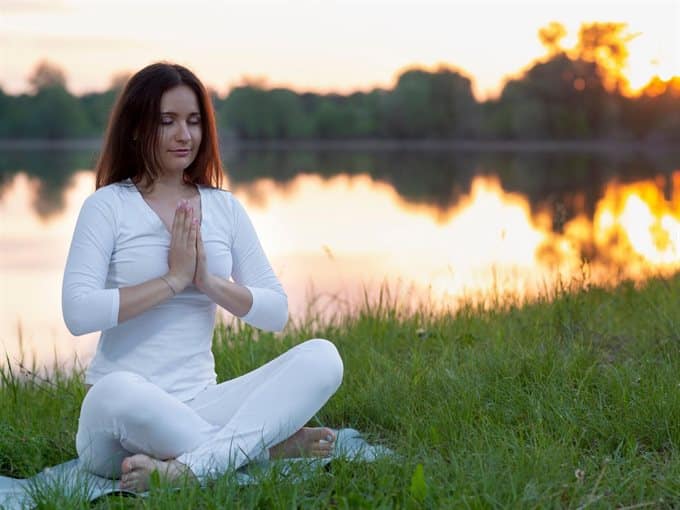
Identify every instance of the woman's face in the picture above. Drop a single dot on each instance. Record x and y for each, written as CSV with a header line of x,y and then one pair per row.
x,y
179,129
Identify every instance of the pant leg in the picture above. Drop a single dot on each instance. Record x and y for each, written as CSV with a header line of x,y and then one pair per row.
x,y
265,406
124,414
219,403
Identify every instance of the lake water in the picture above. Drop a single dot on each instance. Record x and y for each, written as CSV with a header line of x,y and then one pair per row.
x,y
435,225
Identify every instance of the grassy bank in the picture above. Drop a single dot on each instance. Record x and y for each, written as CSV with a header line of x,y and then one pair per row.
x,y
572,402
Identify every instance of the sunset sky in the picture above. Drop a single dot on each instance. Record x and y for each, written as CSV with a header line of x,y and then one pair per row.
x,y
314,45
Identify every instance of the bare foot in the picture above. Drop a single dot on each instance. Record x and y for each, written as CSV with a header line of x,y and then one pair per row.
x,y
136,471
306,442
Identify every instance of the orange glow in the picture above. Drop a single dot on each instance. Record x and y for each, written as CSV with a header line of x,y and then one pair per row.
x,y
657,87
70,34
488,246
635,229
335,241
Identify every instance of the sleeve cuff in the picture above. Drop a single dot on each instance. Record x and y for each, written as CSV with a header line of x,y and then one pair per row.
x,y
252,314
269,310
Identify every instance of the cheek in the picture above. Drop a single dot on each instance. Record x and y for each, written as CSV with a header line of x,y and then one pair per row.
x,y
197,134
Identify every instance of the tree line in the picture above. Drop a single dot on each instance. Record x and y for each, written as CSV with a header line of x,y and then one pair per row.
x,y
577,93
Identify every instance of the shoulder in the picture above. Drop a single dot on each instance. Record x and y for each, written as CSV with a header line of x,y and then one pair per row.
x,y
111,192
107,200
221,201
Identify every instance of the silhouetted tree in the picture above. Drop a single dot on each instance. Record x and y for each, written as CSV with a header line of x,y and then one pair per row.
x,y
561,98
97,107
437,104
572,93
51,112
252,112
655,115
47,75
551,35
605,44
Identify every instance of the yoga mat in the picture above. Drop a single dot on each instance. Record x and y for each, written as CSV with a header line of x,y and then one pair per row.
x,y
70,478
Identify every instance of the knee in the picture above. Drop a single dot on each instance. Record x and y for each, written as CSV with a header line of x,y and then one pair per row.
x,y
324,356
111,395
115,383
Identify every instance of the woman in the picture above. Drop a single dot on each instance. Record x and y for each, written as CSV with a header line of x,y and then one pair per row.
x,y
152,255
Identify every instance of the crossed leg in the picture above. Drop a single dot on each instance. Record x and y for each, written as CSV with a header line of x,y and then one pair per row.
x,y
307,442
130,427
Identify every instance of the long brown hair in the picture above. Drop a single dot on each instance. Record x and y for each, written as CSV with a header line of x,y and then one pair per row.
x,y
129,149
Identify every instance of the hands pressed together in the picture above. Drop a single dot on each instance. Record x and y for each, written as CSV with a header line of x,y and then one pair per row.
x,y
186,258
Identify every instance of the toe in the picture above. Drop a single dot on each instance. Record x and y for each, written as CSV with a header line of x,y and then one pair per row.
x,y
130,464
323,450
126,482
321,434
330,435
135,484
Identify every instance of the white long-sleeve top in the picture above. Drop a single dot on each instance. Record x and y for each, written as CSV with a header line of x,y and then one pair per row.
x,y
120,241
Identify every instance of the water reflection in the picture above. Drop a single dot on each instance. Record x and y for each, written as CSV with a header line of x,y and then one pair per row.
x,y
438,178
53,169
33,251
490,244
334,237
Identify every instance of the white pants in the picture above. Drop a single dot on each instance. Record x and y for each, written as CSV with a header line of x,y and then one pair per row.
x,y
223,427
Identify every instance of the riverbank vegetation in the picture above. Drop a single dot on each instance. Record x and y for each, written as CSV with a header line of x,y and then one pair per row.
x,y
572,401
577,93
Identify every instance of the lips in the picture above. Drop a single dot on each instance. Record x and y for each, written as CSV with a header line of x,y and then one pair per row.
x,y
180,152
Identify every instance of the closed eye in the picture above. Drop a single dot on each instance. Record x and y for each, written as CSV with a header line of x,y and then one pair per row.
x,y
194,120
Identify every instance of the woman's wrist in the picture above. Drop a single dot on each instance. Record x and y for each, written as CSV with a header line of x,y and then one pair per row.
x,y
169,285
206,285
176,284
234,298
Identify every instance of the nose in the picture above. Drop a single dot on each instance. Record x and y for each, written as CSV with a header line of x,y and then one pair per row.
x,y
182,134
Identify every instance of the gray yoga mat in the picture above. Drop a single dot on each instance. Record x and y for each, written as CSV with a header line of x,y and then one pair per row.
x,y
70,478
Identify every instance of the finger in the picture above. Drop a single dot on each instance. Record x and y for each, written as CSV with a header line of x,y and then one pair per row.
x,y
178,219
193,233
188,225
176,226
181,227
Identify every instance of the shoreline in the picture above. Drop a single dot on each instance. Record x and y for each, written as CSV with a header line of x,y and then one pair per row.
x,y
576,398
380,145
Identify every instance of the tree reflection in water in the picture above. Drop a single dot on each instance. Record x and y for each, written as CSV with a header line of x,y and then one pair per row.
x,y
422,223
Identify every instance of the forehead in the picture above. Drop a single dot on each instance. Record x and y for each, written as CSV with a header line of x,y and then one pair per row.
x,y
179,99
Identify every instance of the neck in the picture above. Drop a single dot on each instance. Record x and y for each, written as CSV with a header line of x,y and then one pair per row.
x,y
166,184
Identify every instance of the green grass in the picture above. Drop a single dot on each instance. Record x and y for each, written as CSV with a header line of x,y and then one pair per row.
x,y
494,408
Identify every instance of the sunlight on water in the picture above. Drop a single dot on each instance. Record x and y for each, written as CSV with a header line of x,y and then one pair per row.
x,y
335,241
635,231
352,231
